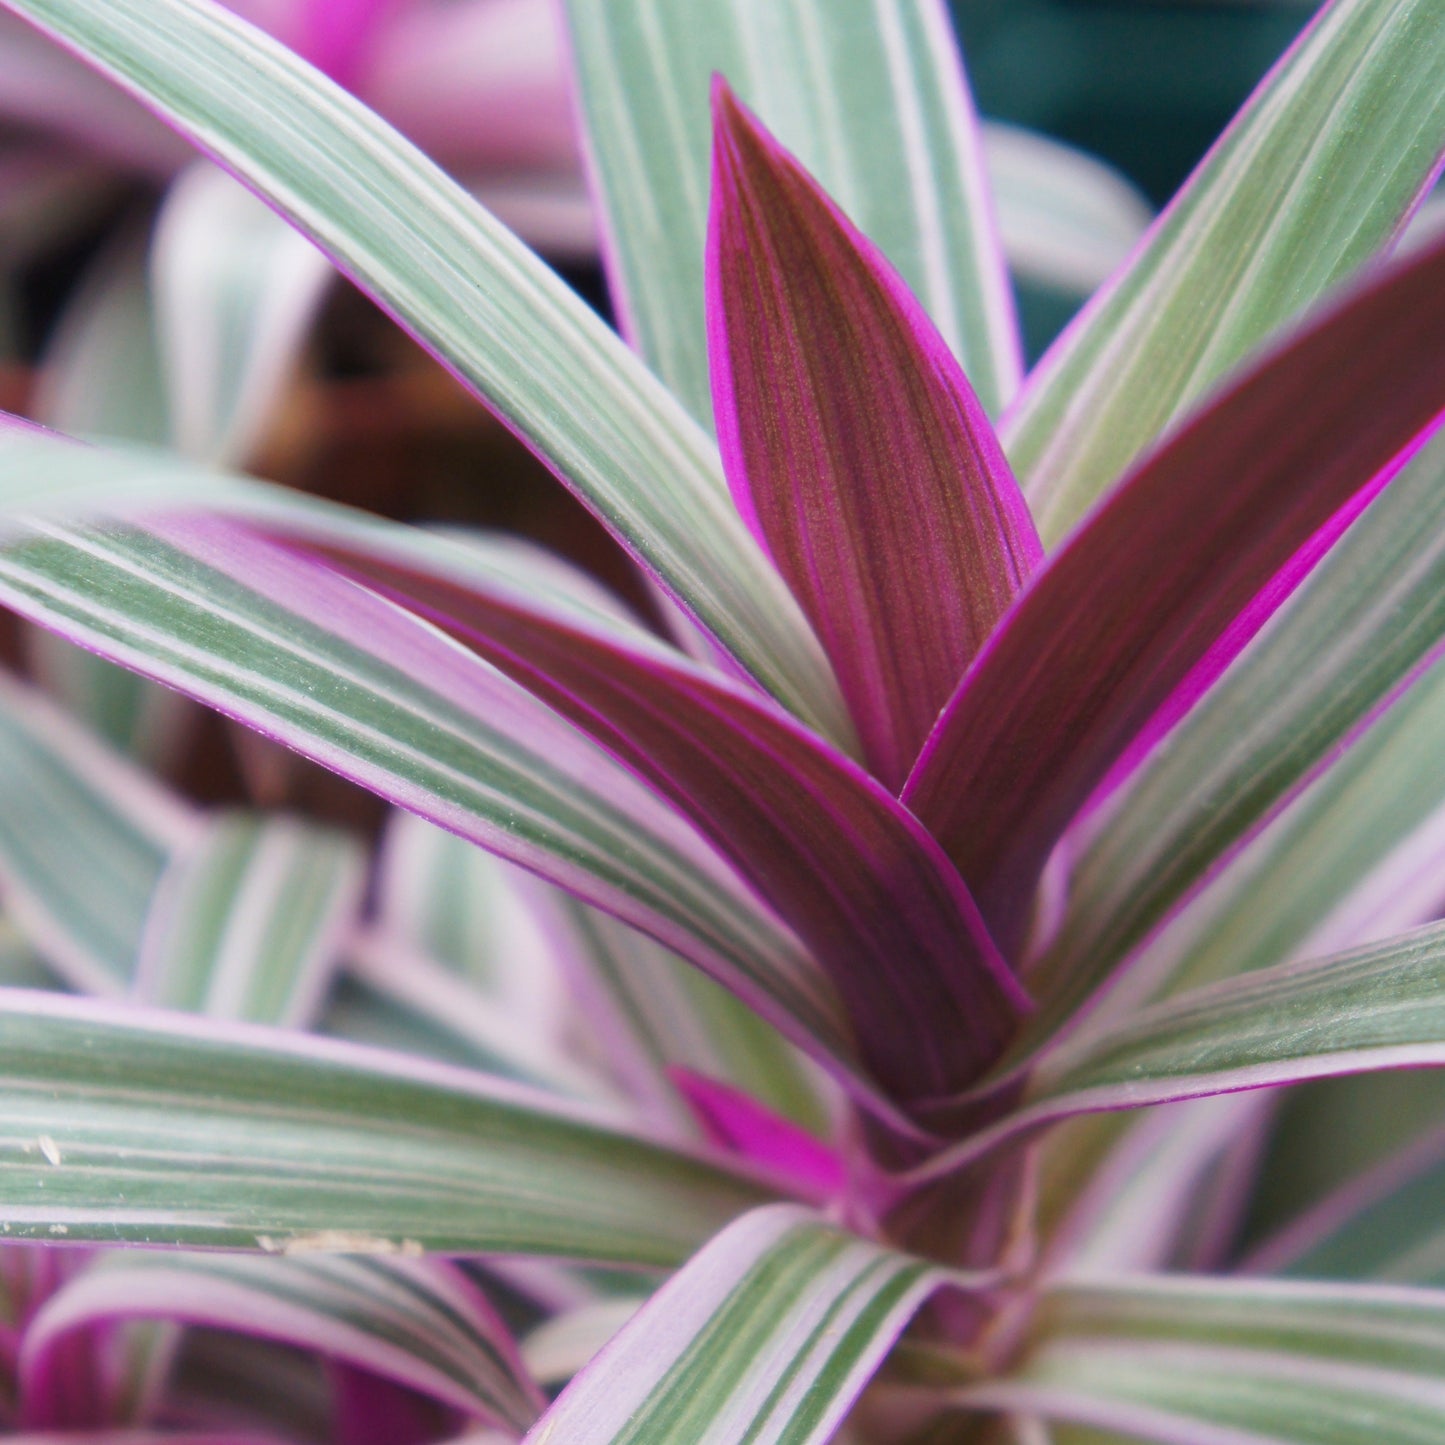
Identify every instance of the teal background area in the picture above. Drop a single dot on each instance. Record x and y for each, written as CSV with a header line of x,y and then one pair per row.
x,y
1143,84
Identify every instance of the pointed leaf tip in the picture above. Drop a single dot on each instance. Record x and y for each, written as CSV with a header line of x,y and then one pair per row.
x,y
853,443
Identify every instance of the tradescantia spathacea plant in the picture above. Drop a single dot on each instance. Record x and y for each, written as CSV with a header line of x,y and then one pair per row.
x,y
1047,769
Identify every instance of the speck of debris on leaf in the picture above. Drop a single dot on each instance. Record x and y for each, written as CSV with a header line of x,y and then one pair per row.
x,y
338,1241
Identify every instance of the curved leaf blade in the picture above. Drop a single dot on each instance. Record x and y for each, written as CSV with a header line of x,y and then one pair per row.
x,y
657,1013
389,702
176,1130
476,297
1316,175
1348,648
85,837
235,290
1382,1225
1067,219
1381,1007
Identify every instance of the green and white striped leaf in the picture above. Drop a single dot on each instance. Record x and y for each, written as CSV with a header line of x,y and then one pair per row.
x,y
248,923
444,900
1381,1007
236,290
84,839
560,1346
868,94
172,587
1191,1361
768,1335
1315,176
1133,1191
407,1000
153,1128
1378,1007
1355,858
1359,630
538,973
245,924
280,1391
421,1323
476,296
364,1012
101,373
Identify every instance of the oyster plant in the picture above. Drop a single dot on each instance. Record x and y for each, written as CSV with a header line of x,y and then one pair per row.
x,y
1015,783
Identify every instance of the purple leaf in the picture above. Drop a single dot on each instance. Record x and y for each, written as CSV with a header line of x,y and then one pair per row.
x,y
853,443
737,1122
371,1410
853,873
1168,579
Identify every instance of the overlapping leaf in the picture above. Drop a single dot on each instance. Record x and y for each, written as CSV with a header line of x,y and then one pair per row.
x,y
847,872
421,1323
147,1128
1383,1224
391,995
854,445
650,1012
472,293
235,291
767,1336
1122,630
1314,177
1067,220
899,154
385,699
1356,858
100,376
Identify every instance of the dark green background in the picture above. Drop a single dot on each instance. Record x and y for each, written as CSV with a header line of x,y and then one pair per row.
x,y
1145,84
